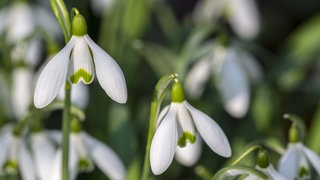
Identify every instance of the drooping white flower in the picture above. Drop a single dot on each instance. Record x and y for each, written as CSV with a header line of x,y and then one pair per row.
x,y
14,155
84,151
43,154
242,15
178,127
234,69
79,61
294,163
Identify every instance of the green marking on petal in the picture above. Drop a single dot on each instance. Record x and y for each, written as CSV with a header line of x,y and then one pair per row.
x,y
10,166
303,171
81,73
85,165
182,142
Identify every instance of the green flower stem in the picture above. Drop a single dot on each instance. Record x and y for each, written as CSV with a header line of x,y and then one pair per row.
x,y
228,172
253,148
61,12
66,131
154,112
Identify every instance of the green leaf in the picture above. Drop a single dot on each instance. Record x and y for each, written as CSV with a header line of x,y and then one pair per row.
x,y
161,60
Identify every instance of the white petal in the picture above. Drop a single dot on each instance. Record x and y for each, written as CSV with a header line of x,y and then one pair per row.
x,y
4,150
81,64
244,18
164,143
56,173
250,65
162,114
233,86
43,152
26,164
185,120
33,53
21,91
210,132
106,159
108,73
288,163
189,154
197,77
313,158
271,172
79,95
55,136
57,166
21,22
52,77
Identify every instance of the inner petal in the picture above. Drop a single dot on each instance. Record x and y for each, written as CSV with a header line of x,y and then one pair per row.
x,y
81,65
186,128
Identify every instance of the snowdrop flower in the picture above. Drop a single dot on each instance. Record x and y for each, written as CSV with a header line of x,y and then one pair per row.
x,y
84,151
294,163
179,126
43,153
234,69
14,154
79,61
242,15
21,91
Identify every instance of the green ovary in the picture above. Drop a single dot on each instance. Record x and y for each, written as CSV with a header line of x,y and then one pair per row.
x,y
81,73
182,142
10,166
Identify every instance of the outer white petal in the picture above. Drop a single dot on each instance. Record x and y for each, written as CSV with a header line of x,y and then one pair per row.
x,y
288,163
52,77
106,159
162,114
250,65
108,73
313,158
197,77
189,154
21,22
21,91
43,152
210,132
244,18
26,164
55,136
164,143
4,150
56,173
234,86
81,60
